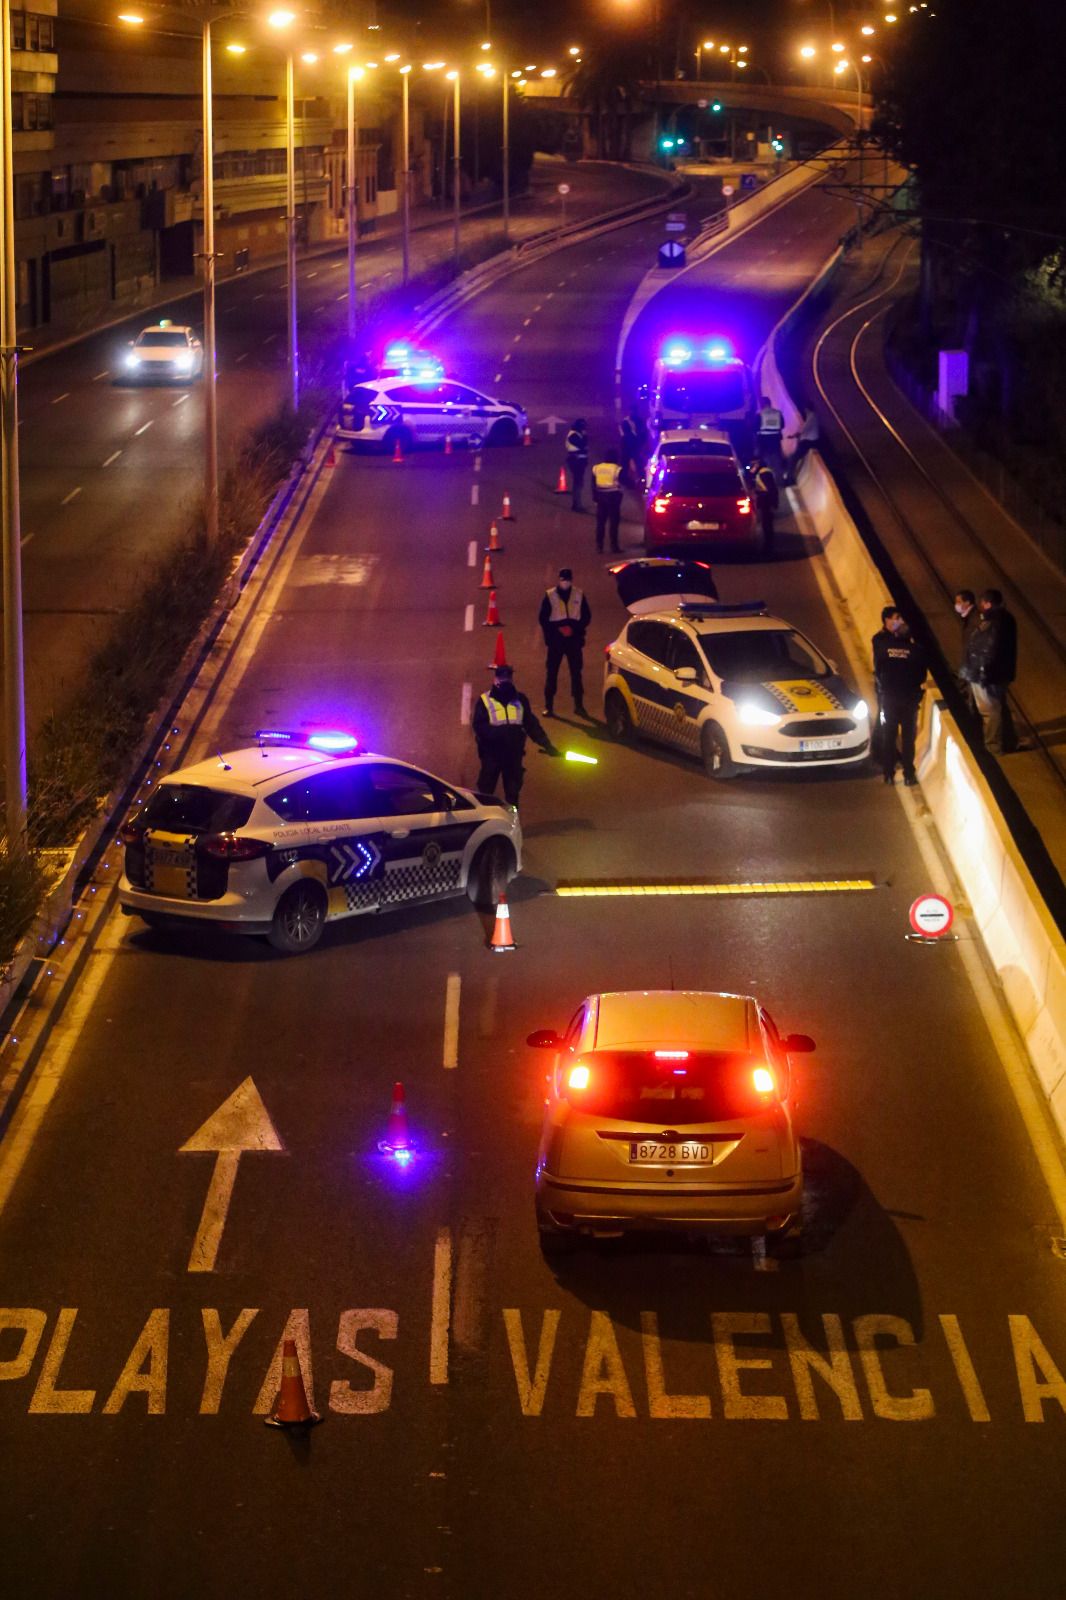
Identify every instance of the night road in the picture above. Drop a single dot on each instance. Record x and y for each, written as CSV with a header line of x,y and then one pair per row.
x,y
880,1418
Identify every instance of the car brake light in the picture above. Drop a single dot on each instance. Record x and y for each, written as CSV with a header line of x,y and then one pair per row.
x,y
661,502
764,1081
744,505
579,1077
671,1055
231,847
132,832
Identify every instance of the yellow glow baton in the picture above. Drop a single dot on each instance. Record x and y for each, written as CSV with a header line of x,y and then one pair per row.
x,y
586,761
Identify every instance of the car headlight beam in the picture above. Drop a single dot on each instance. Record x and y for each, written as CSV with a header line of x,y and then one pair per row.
x,y
753,716
860,711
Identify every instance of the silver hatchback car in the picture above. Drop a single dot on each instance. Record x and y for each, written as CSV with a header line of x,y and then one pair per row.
x,y
669,1110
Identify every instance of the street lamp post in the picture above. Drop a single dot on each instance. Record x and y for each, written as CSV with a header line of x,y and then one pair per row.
x,y
14,682
210,384
406,171
456,158
506,157
290,226
352,198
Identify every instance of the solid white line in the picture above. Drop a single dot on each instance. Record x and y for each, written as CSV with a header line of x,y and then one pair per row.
x,y
471,553
453,988
464,702
73,495
143,428
60,397
468,619
105,374
112,457
180,401
475,493
440,1316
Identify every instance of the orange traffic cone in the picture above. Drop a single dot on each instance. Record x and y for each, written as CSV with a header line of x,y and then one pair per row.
x,y
494,538
527,434
502,938
291,1409
507,515
499,658
331,457
397,454
397,1141
492,615
447,444
487,580
562,487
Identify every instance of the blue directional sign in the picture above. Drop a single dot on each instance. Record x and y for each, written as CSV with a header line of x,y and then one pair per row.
x,y
671,254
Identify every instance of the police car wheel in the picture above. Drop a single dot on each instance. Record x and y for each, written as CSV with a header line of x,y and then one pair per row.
x,y
505,431
619,722
717,761
490,872
299,919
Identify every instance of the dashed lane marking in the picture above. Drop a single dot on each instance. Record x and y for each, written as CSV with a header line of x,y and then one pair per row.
x,y
180,401
112,457
341,297
475,493
514,341
471,553
26,539
525,323
452,993
73,495
242,357
270,338
105,374
507,357
61,397
468,619
143,428
465,701
498,377
440,1315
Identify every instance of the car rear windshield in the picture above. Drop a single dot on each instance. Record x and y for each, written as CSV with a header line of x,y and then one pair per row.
x,y
706,392
162,337
696,447
763,655
709,478
190,808
638,1087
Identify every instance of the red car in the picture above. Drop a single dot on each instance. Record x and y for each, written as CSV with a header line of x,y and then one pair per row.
x,y
700,502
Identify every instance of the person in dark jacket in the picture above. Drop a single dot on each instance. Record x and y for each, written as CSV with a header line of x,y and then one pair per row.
x,y
564,619
762,480
502,722
577,460
899,673
969,616
629,449
989,667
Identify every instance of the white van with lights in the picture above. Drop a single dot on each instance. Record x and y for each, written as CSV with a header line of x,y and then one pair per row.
x,y
697,385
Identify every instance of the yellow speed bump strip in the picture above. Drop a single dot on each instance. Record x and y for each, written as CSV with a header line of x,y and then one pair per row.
x,y
620,887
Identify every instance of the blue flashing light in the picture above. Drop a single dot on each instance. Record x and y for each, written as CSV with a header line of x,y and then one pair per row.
x,y
275,736
676,354
333,743
718,352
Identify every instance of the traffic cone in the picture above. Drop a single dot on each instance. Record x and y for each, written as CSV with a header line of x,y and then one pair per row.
x,y
527,434
331,457
447,444
502,938
562,487
499,658
492,615
397,1137
507,515
494,538
397,454
291,1409
487,580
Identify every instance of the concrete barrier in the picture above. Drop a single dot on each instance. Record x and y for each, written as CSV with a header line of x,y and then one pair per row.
x,y
1019,933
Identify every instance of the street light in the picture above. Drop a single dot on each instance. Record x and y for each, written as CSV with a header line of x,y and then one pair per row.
x,y
281,20
708,44
352,197
453,77
405,73
14,680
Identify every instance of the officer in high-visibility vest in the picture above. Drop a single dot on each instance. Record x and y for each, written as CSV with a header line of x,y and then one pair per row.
x,y
764,483
607,493
564,619
503,719
769,427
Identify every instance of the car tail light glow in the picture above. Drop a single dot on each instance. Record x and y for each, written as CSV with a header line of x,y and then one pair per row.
x,y
764,1080
578,1077
661,502
744,505
231,847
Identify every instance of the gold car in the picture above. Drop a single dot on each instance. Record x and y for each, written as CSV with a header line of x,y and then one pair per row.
x,y
669,1110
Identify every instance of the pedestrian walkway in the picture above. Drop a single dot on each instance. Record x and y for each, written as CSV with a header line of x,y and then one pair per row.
x,y
939,524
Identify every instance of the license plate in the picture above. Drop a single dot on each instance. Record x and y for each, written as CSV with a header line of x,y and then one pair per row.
x,y
821,744
171,858
689,1154
704,527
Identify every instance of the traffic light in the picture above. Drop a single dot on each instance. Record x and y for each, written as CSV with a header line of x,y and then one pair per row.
x,y
666,144
716,105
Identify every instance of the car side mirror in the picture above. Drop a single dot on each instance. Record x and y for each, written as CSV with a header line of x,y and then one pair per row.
x,y
799,1044
544,1039
686,674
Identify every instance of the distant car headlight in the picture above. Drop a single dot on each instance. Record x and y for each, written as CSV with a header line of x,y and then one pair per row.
x,y
755,717
860,710
133,360
185,362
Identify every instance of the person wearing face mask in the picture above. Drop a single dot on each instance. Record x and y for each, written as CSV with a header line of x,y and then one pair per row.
x,y
899,673
564,619
969,616
989,667
502,722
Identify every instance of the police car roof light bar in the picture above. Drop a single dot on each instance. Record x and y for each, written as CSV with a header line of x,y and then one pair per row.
x,y
714,608
330,741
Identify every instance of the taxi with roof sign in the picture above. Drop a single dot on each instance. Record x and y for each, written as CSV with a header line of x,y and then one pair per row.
x,y
732,684
166,352
301,829
669,1110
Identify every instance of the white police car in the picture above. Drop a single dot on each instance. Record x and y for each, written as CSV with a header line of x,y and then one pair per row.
x,y
164,353
734,685
410,409
300,830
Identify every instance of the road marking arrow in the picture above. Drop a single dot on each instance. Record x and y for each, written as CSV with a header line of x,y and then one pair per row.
x,y
552,423
241,1123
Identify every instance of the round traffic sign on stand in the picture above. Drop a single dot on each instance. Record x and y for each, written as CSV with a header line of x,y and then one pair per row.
x,y
931,917
564,188
729,190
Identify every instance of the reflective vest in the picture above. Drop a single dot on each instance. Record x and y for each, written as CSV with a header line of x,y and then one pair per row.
x,y
605,475
510,715
568,610
771,420
577,444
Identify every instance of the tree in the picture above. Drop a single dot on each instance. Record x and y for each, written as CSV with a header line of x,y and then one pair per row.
x,y
607,82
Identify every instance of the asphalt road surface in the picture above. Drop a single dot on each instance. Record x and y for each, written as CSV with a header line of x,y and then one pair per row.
x,y
883,1417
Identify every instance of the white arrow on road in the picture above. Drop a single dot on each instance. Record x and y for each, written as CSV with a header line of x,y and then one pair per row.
x,y
552,424
241,1123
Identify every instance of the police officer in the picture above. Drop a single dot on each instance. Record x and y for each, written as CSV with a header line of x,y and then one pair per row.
x,y
989,667
564,619
503,719
577,460
808,433
607,493
766,499
770,425
899,673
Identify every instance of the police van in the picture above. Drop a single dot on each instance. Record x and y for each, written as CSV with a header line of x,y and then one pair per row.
x,y
701,385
